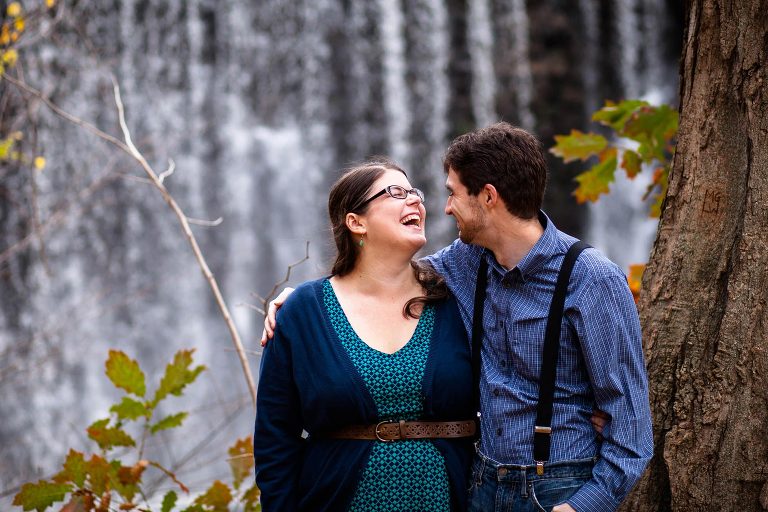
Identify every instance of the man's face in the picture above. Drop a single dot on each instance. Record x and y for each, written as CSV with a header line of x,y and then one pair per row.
x,y
465,208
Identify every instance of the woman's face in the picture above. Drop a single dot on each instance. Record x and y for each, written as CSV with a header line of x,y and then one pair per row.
x,y
391,222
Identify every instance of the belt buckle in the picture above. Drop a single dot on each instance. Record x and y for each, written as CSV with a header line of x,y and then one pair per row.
x,y
377,433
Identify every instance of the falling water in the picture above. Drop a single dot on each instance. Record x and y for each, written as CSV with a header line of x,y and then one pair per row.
x,y
258,104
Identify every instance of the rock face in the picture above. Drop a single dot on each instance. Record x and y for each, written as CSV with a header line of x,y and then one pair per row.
x,y
259,103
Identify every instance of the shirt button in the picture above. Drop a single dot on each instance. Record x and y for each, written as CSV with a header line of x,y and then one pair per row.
x,y
498,431
496,392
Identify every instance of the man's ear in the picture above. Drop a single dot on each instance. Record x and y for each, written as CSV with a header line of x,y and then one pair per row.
x,y
355,224
489,196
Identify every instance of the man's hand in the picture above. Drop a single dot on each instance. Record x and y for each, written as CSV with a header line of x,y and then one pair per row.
x,y
599,420
270,320
563,508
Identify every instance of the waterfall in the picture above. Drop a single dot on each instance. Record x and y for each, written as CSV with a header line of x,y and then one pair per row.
x,y
259,104
481,51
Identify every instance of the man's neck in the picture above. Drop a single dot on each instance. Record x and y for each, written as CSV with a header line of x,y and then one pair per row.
x,y
511,238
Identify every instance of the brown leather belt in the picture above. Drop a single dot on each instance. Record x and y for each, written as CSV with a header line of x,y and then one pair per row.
x,y
392,430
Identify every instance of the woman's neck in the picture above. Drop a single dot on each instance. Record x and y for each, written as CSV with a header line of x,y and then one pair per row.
x,y
381,277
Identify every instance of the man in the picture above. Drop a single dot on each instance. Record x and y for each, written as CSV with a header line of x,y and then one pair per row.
x,y
496,178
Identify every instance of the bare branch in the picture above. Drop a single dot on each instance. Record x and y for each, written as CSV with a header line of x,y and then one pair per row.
x,y
271,294
129,148
203,222
171,168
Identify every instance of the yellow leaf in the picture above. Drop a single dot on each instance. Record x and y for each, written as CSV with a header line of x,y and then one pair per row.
x,y
9,57
14,9
635,280
14,37
18,24
50,3
5,35
39,163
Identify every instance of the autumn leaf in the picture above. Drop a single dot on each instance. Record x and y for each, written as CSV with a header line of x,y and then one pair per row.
x,y
616,115
107,437
129,409
241,460
125,373
635,279
98,470
74,470
578,145
177,375
595,181
653,128
41,495
39,163
76,504
216,498
631,163
171,421
10,57
14,9
251,499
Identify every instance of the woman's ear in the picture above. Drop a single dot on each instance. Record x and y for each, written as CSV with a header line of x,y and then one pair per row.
x,y
355,224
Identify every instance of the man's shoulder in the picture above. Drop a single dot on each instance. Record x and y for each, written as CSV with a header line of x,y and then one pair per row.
x,y
457,254
593,265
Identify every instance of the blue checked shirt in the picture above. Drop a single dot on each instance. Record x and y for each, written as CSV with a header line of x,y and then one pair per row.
x,y
600,362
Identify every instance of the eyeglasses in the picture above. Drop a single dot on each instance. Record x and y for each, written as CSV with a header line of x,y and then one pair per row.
x,y
395,191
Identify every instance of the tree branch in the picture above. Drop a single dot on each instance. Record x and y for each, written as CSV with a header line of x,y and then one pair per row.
x,y
129,148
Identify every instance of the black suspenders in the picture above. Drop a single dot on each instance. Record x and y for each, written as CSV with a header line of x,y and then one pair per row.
x,y
543,427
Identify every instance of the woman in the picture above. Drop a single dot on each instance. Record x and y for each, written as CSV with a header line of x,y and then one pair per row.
x,y
373,354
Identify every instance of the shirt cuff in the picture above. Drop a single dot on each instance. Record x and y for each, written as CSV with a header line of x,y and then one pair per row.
x,y
592,498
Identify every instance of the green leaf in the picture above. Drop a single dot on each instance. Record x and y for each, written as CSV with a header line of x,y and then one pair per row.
x,y
41,495
74,470
108,438
216,498
578,145
177,375
241,460
125,373
653,127
171,421
616,115
595,181
631,163
129,409
169,501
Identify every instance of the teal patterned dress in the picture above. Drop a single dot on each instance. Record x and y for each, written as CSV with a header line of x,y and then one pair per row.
x,y
403,475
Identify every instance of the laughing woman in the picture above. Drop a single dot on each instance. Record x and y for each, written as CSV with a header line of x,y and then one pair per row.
x,y
373,364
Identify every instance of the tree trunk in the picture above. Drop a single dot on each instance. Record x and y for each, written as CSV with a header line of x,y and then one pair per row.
x,y
703,305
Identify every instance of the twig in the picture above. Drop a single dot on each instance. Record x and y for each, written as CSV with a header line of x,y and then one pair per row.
x,y
269,296
129,148
203,222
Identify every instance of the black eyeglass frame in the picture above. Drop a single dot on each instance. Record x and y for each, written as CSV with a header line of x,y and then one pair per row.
x,y
396,195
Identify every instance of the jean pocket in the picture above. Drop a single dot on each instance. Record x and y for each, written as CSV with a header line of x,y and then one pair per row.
x,y
547,493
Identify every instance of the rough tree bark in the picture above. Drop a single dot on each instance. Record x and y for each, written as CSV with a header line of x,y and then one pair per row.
x,y
703,305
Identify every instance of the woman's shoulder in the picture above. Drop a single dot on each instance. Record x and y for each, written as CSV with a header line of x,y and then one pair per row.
x,y
303,298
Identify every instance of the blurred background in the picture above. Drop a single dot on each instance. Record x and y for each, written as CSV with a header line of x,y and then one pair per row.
x,y
260,104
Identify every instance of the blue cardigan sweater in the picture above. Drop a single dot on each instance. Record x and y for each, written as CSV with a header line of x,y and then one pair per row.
x,y
308,382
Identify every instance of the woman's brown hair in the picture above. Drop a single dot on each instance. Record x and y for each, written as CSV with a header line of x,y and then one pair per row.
x,y
347,194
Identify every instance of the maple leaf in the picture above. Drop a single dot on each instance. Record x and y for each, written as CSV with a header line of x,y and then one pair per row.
x,y
171,421
578,145
178,375
41,495
241,460
129,409
217,497
595,181
109,437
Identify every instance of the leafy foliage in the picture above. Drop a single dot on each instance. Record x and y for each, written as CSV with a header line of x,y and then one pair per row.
x,y
103,482
652,131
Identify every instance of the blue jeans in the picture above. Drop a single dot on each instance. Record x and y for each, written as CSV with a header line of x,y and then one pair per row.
x,y
510,488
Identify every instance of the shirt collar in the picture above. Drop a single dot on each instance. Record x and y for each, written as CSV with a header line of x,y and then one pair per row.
x,y
545,248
